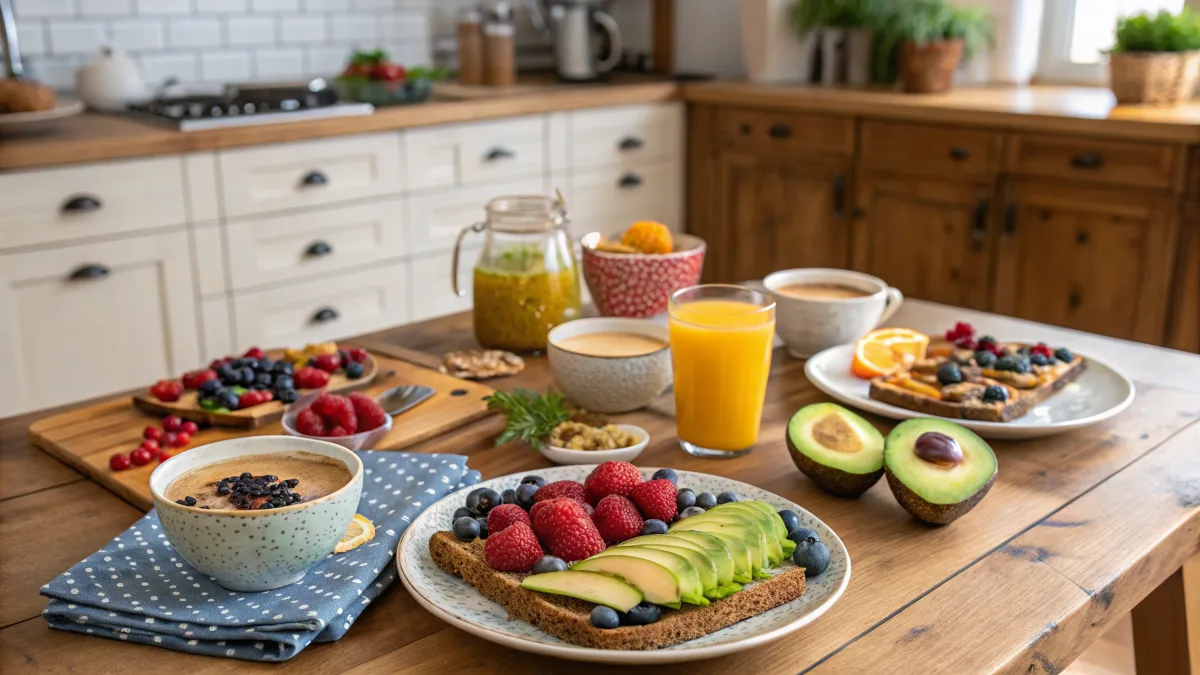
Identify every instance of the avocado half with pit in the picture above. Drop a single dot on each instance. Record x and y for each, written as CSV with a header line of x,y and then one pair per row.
x,y
938,470
838,450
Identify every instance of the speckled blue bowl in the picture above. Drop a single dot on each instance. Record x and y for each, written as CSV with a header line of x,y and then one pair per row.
x,y
256,550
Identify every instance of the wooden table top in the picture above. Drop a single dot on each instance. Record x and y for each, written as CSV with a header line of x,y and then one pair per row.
x,y
1078,529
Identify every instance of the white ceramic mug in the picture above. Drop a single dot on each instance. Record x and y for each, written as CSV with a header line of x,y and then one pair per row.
x,y
808,325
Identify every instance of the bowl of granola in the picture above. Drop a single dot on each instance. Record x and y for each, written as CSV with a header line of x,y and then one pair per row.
x,y
581,443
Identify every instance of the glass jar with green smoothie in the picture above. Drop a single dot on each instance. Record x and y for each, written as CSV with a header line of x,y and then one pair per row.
x,y
526,280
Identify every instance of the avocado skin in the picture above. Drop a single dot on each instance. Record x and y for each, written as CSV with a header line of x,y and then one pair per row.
x,y
834,481
934,514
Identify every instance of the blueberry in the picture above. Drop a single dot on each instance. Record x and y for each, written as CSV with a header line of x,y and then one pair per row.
x,y
790,520
812,556
483,531
210,387
283,367
669,474
985,359
995,393
228,399
466,529
604,617
353,370
706,500
803,534
654,526
690,511
509,496
1039,360
287,395
228,375
536,481
525,493
284,382
461,512
684,499
240,362
247,376
265,380
549,563
1007,363
264,364
949,373
1063,354
643,614
482,500
726,497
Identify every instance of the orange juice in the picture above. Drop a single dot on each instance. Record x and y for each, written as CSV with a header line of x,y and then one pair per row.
x,y
721,353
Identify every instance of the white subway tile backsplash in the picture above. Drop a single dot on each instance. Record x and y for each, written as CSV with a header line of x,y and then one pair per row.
x,y
298,29
137,34
226,66
250,30
325,5
77,37
56,72
31,36
222,6
28,9
275,5
164,6
105,7
405,26
357,29
158,67
374,4
279,64
194,32
327,60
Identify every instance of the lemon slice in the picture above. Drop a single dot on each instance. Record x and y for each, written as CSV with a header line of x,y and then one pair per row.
x,y
360,532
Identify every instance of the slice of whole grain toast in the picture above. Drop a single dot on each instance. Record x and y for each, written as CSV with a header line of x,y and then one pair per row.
x,y
570,619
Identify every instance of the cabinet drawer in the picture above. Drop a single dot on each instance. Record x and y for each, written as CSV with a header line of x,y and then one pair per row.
x,y
430,292
324,309
278,248
609,200
437,217
309,173
40,207
918,148
771,132
1103,161
87,320
626,135
469,154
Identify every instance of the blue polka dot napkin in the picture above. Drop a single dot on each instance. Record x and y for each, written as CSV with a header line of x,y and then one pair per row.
x,y
138,589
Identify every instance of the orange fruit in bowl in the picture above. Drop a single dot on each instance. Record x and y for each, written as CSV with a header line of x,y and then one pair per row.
x,y
887,350
648,236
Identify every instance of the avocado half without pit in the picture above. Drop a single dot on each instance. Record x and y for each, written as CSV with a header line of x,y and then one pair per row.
x,y
838,450
938,470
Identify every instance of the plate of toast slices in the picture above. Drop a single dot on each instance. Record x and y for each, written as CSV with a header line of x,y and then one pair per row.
x,y
715,581
997,388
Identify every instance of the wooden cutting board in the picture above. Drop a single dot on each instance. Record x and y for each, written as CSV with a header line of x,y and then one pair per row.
x,y
85,438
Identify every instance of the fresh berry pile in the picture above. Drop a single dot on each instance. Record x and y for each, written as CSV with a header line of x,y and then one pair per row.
x,y
332,415
248,492
161,442
990,354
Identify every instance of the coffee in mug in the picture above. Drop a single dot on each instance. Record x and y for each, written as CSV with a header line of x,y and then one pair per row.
x,y
820,291
818,308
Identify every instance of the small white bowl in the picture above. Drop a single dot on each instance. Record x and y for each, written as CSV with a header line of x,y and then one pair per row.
x,y
565,456
364,440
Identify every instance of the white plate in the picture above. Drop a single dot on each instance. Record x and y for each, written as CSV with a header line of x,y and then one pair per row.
x,y
456,602
31,121
1099,393
568,456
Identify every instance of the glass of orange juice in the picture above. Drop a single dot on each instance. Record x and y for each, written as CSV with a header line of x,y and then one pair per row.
x,y
721,342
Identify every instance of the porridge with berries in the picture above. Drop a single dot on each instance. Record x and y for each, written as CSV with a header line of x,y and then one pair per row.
x,y
260,482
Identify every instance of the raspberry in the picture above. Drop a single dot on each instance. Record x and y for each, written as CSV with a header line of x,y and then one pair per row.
x,y
328,362
254,353
542,504
960,330
656,500
611,478
505,515
195,378
561,488
358,354
370,415
567,531
515,549
338,431
617,519
167,390
309,423
1043,349
338,411
310,378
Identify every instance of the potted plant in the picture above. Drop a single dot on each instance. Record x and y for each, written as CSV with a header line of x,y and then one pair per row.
x,y
847,29
1156,59
934,36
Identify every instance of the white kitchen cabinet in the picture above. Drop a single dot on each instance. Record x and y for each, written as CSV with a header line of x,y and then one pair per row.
x,y
430,290
81,321
475,153
626,136
608,200
436,217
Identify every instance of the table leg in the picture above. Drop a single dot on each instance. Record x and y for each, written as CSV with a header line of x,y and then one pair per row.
x,y
1166,625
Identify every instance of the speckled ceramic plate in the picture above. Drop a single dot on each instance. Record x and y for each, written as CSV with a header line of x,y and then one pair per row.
x,y
1100,392
456,602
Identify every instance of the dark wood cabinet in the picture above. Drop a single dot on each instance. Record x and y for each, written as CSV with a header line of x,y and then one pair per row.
x,y
1183,324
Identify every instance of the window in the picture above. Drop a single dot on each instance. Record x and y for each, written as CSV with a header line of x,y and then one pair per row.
x,y
1076,33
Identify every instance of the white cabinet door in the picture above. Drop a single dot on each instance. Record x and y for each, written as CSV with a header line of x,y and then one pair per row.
x,y
626,136
88,320
479,152
436,217
430,291
609,200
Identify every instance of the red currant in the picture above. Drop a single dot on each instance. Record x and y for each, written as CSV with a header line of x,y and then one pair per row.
x,y
181,440
189,427
140,457
152,434
172,423
119,462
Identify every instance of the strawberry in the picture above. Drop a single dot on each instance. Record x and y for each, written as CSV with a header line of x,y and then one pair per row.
x,y
515,549
617,519
310,378
309,423
167,390
656,499
338,411
195,378
611,478
505,515
567,531
254,353
561,488
370,415
329,363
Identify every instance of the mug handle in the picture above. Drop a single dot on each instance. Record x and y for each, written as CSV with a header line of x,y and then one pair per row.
x,y
894,299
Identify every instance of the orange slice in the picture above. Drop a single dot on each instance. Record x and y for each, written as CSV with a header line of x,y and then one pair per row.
x,y
887,350
360,532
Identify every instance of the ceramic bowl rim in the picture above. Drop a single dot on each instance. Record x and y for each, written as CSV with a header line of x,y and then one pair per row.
x,y
636,448
851,275
697,246
307,399
660,332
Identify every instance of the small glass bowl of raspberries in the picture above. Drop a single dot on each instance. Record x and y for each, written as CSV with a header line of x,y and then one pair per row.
x,y
354,420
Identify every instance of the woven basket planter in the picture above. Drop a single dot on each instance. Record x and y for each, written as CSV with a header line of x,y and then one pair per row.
x,y
929,68
1154,78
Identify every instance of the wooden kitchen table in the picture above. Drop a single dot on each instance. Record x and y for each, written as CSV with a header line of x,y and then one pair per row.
x,y
1078,530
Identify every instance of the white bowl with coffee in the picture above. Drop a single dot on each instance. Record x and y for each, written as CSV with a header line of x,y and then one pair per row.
x,y
610,365
818,308
257,513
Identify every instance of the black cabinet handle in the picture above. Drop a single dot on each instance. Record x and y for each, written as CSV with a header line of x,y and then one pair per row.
x,y
1087,160
839,197
1010,219
780,130
81,204
745,129
959,153
629,180
325,315
88,273
631,143
317,249
313,179
499,153
1074,300
979,229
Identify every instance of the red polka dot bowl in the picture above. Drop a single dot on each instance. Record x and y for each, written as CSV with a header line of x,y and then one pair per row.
x,y
639,285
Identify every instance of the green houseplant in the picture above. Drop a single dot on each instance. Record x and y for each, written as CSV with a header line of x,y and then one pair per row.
x,y
933,37
1156,58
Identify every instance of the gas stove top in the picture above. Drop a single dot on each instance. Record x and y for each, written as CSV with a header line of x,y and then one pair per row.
x,y
248,105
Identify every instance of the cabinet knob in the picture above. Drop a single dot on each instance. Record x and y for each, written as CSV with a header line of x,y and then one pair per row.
x,y
499,153
1087,160
325,315
88,272
959,153
780,130
81,204
313,179
839,197
1074,300
630,180
631,143
979,229
1010,219
317,249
